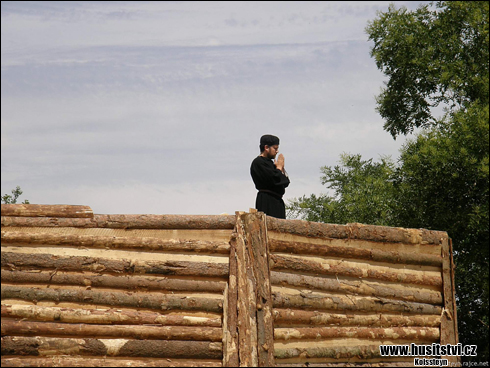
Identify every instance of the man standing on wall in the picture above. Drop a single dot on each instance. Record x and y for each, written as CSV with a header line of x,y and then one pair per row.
x,y
270,178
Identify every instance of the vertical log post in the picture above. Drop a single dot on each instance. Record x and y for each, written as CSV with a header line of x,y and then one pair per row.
x,y
449,329
246,304
230,311
256,230
254,286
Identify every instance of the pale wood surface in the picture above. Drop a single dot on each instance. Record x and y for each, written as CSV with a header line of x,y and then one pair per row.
x,y
84,361
90,315
44,210
45,346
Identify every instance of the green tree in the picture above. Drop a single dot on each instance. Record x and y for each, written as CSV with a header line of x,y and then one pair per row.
x,y
431,56
362,192
11,199
437,54
443,184
440,183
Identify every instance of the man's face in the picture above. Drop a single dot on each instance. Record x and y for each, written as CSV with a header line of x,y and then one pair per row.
x,y
271,151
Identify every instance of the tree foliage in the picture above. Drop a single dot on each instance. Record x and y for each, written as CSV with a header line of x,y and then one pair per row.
x,y
437,54
430,57
11,199
440,54
443,184
362,192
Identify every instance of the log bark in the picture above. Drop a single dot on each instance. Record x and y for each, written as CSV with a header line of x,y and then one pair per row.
x,y
296,317
34,346
247,321
208,222
96,264
351,287
166,221
295,264
256,240
375,363
65,361
230,314
362,352
116,299
117,282
111,242
43,210
449,326
356,231
107,316
78,330
183,268
424,334
375,255
346,303
8,221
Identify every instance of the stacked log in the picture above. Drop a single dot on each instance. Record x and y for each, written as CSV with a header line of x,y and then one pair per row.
x,y
80,289
340,291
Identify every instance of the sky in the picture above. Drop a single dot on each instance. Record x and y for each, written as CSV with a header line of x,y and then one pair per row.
x,y
158,107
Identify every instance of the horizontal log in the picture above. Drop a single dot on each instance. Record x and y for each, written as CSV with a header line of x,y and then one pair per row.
x,y
296,264
350,303
354,287
375,363
96,264
362,352
209,222
111,242
356,231
115,299
78,330
117,282
297,317
25,346
107,316
425,334
375,255
45,210
8,221
166,221
65,361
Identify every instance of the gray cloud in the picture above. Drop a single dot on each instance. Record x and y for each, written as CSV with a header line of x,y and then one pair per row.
x,y
161,109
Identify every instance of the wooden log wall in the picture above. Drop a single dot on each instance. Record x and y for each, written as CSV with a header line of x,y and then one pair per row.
x,y
340,291
80,289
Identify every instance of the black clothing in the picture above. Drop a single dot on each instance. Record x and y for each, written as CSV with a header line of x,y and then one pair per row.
x,y
271,184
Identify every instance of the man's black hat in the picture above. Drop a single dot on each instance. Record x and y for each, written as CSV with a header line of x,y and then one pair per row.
x,y
269,140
